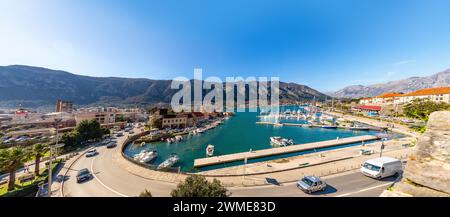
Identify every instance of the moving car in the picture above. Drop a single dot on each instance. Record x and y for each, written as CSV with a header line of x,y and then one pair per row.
x,y
91,153
83,175
310,184
382,167
111,145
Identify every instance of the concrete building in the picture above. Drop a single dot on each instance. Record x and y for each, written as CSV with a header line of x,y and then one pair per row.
x,y
174,121
101,117
64,106
386,98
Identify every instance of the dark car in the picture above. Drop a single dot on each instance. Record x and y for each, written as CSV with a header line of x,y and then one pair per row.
x,y
111,145
83,175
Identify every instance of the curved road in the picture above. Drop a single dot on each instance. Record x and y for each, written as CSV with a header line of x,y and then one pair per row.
x,y
112,181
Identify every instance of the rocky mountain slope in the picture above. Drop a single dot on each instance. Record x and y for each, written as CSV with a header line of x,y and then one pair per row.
x,y
406,85
34,86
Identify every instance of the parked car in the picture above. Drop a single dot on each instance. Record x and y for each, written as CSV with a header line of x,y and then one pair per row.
x,y
111,145
381,167
310,184
120,134
83,175
91,153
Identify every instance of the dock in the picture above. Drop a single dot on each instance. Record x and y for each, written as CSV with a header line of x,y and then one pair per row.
x,y
202,162
320,126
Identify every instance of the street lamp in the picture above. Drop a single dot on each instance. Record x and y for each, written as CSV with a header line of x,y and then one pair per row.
x,y
57,121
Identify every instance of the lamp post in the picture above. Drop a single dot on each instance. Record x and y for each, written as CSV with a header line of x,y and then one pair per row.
x,y
49,187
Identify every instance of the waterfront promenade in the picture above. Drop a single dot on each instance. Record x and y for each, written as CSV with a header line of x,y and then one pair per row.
x,y
398,128
201,162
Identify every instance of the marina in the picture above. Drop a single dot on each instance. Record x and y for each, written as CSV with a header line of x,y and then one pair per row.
x,y
240,133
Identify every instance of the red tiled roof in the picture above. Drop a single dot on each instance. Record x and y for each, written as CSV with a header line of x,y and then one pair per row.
x,y
369,107
430,91
389,95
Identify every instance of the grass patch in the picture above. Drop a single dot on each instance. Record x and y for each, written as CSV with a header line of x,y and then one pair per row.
x,y
27,188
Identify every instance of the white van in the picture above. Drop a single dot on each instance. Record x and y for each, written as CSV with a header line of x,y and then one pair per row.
x,y
382,167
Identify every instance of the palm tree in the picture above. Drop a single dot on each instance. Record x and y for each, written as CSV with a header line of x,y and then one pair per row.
x,y
38,151
12,159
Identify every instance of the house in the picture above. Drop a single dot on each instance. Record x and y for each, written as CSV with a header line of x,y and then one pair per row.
x,y
437,94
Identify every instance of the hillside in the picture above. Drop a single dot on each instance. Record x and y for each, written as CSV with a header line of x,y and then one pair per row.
x,y
406,85
36,87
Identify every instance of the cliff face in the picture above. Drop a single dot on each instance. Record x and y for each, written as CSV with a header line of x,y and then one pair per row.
x,y
428,170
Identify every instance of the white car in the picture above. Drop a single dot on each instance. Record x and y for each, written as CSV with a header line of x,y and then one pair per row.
x,y
311,184
91,153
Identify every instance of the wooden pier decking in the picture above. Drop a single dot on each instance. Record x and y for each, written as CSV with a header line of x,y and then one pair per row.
x,y
202,162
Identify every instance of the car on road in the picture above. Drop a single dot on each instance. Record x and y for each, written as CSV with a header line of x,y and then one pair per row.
x,y
382,167
111,145
120,134
311,184
91,153
83,175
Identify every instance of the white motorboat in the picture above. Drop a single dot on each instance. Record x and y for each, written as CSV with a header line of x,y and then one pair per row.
x,y
279,141
149,157
140,155
172,160
210,150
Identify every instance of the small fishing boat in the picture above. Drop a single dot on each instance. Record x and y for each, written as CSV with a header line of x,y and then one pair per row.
x,y
329,127
140,155
210,150
149,157
172,160
279,141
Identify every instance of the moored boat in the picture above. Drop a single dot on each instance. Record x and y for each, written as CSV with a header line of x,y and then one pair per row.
x,y
149,157
210,150
172,160
329,127
279,141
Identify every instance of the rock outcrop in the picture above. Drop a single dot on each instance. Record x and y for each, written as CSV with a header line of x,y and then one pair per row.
x,y
428,170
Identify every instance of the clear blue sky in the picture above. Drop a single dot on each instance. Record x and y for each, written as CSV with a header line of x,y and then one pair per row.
x,y
324,44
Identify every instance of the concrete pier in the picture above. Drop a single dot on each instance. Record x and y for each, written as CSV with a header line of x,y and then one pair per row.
x,y
202,162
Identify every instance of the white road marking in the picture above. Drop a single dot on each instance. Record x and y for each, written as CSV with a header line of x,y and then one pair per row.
x,y
362,190
112,190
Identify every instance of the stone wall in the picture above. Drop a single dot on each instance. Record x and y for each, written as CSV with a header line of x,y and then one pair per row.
x,y
428,170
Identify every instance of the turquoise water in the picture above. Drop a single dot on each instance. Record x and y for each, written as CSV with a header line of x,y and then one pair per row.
x,y
239,134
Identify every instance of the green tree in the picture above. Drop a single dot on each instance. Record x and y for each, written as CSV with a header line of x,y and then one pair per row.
x,y
38,151
89,130
145,193
71,140
198,186
422,108
12,159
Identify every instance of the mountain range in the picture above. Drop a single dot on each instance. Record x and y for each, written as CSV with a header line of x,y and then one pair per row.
x,y
34,87
403,86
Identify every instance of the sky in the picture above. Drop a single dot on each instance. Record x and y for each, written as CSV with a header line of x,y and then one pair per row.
x,y
326,45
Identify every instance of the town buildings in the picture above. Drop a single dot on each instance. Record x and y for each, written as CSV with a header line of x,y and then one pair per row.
x,y
64,106
437,94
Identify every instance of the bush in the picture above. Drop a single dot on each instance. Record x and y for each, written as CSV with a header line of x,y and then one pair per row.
x,y
198,186
145,193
